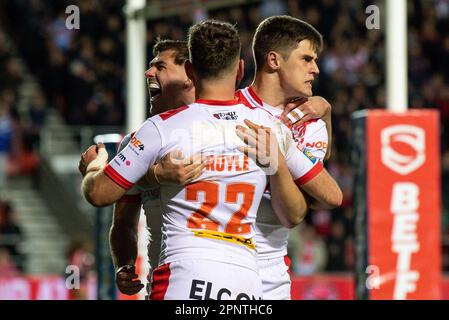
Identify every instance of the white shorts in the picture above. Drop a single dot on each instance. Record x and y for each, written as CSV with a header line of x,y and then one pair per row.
x,y
275,276
203,279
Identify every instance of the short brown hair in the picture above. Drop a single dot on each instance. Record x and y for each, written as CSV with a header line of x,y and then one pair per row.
x,y
181,54
282,34
213,47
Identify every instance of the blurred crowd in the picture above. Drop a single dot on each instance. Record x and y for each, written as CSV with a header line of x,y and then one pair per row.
x,y
19,132
11,236
82,73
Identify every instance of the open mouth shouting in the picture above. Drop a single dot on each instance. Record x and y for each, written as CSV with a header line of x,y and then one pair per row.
x,y
155,90
309,83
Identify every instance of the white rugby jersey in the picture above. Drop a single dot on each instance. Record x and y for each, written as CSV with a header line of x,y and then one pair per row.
x,y
271,237
213,217
149,198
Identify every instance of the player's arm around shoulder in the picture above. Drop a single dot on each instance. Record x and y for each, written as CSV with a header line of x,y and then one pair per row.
x,y
105,184
289,204
98,189
300,111
175,169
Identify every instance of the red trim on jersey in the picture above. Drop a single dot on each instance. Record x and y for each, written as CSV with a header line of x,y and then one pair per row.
x,y
218,102
253,95
242,99
310,175
238,95
288,263
170,113
305,123
161,279
117,178
257,99
130,198
302,128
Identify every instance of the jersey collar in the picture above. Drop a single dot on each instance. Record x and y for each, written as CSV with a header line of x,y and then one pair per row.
x,y
218,102
254,96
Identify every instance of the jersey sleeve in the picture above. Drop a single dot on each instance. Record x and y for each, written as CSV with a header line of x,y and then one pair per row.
x,y
303,166
316,139
131,163
133,194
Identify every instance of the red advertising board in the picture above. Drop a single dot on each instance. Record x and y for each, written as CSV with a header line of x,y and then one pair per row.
x,y
316,287
323,287
403,205
39,288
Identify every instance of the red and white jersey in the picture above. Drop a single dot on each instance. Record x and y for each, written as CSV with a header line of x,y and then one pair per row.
x,y
271,237
213,217
151,204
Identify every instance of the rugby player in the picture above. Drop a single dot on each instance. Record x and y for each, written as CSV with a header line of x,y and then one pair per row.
x,y
169,87
273,248
194,244
285,51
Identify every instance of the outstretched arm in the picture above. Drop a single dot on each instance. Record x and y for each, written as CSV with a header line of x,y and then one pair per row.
x,y
288,202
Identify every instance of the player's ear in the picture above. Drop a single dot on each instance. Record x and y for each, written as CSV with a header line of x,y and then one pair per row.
x,y
273,60
240,71
189,69
188,84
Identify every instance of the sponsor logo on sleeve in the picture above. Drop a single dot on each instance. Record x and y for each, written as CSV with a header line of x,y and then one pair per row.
x,y
309,155
122,158
316,145
137,144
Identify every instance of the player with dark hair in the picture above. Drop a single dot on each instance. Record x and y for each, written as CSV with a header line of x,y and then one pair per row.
x,y
169,87
285,53
208,225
